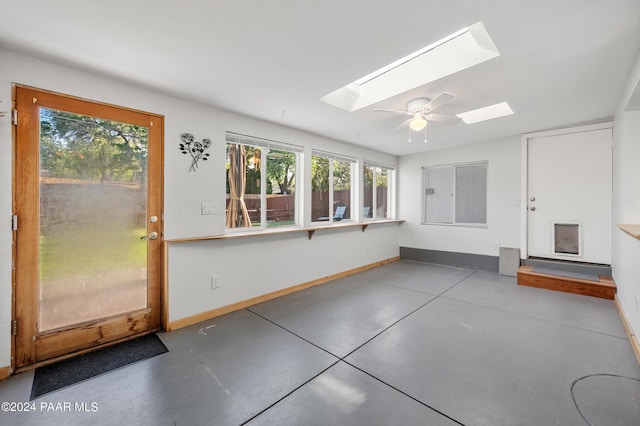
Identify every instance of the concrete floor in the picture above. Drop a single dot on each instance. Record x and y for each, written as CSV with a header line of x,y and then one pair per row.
x,y
403,344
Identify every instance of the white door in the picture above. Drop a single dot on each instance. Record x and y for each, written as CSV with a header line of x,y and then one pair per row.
x,y
569,196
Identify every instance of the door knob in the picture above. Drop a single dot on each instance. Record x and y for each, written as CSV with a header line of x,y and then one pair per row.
x,y
532,208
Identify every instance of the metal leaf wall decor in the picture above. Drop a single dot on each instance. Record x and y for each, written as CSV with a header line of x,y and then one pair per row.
x,y
194,148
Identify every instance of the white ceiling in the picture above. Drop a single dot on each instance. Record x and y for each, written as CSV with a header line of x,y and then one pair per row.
x,y
562,62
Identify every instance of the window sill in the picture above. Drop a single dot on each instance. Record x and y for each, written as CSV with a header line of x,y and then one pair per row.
x,y
459,225
311,230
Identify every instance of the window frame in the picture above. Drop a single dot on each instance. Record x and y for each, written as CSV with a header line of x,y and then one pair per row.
x,y
334,157
265,145
390,206
454,222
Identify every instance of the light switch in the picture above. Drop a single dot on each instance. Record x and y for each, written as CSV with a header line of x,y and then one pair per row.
x,y
209,208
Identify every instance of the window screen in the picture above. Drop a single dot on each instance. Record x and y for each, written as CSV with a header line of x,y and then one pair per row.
x,y
456,194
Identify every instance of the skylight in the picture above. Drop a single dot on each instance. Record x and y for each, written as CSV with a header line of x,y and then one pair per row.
x,y
487,113
456,52
407,58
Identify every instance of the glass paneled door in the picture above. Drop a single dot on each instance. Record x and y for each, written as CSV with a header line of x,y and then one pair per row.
x,y
88,200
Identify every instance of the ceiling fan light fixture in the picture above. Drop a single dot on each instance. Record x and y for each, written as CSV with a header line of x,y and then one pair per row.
x,y
418,122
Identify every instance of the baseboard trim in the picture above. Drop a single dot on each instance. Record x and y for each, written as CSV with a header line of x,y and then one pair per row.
x,y
480,262
5,372
204,316
633,339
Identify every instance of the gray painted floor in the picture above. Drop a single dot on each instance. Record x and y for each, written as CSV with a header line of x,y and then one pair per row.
x,y
403,344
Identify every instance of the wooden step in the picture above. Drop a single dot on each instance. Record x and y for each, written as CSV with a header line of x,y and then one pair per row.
x,y
605,288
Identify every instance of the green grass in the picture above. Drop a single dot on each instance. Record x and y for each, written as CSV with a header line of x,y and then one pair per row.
x,y
282,223
73,252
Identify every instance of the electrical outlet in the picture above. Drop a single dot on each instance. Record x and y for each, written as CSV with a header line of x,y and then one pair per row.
x,y
215,282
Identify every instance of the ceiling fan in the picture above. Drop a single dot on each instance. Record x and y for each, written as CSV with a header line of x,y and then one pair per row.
x,y
421,112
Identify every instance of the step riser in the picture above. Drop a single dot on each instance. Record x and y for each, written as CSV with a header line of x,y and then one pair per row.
x,y
566,285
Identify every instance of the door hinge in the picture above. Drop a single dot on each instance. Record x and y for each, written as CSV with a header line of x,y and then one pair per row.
x,y
14,222
14,117
14,327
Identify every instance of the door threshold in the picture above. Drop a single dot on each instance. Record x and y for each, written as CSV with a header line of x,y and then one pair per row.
x,y
569,265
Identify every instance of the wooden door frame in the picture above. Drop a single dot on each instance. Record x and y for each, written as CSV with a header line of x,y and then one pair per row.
x,y
25,281
524,174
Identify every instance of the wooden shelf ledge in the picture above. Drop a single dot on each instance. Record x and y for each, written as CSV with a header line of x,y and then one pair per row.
x,y
631,229
310,231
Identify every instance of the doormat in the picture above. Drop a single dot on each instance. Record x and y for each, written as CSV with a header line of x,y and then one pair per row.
x,y
82,367
566,274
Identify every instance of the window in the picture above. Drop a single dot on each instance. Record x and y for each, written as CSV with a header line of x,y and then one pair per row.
x,y
377,194
330,187
260,182
456,194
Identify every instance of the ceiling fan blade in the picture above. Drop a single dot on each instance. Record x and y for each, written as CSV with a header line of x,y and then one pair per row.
x,y
439,100
404,123
441,118
396,111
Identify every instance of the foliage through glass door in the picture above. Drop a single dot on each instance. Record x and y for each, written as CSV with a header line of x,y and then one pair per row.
x,y
93,193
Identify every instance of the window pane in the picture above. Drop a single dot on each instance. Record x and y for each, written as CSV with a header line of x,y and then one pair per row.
x,y
319,189
93,210
342,189
382,189
367,201
471,193
281,169
243,186
456,194
439,194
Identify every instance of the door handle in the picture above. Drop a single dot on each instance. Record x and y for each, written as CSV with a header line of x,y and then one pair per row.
x,y
151,236
532,208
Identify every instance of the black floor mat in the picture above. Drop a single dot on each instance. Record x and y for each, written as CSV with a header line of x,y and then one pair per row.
x,y
65,373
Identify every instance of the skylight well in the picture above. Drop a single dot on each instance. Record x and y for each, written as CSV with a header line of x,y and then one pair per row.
x,y
407,58
487,113
456,52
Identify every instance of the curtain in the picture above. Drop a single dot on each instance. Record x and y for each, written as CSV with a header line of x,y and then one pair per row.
x,y
237,213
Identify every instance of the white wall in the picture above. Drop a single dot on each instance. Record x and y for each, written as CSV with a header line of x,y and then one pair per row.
x,y
503,200
184,193
626,202
268,263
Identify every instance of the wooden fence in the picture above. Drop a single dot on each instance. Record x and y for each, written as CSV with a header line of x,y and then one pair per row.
x,y
281,208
